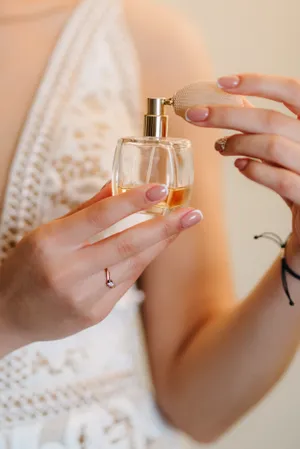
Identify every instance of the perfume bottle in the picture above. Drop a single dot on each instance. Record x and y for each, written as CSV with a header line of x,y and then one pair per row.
x,y
155,158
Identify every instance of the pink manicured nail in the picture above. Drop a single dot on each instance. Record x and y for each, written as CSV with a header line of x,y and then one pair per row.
x,y
242,164
191,219
197,114
157,193
228,82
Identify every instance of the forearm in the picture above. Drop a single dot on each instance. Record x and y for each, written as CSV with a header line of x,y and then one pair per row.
x,y
233,362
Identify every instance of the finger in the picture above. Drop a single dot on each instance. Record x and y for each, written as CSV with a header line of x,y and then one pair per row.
x,y
105,192
281,181
246,120
277,88
270,148
293,109
78,228
97,299
137,239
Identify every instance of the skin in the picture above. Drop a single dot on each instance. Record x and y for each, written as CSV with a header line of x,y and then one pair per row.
x,y
60,290
211,360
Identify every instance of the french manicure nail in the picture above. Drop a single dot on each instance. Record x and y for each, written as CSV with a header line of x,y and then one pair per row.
x,y
242,164
197,114
228,82
191,219
157,193
220,144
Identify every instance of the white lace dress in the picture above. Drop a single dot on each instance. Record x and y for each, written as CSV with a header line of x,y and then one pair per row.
x,y
92,390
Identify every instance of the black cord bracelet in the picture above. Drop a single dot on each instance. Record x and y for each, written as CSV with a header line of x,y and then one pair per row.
x,y
285,269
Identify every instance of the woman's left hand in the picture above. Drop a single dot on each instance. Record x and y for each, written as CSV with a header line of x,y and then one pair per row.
x,y
269,136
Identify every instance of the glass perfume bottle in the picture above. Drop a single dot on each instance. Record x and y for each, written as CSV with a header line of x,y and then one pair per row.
x,y
155,158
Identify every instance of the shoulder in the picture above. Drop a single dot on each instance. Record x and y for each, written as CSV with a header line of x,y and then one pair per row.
x,y
169,47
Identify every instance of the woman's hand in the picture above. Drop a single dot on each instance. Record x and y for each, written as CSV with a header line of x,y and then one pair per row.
x,y
53,284
271,137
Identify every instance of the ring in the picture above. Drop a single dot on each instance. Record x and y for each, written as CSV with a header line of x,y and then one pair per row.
x,y
109,282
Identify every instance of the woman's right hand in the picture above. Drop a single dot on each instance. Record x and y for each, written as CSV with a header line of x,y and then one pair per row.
x,y
53,284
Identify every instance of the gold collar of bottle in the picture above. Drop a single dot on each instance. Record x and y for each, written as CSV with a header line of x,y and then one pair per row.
x,y
156,120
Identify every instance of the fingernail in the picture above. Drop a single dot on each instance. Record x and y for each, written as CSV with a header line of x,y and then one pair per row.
x,y
220,144
191,219
157,193
228,82
242,164
196,114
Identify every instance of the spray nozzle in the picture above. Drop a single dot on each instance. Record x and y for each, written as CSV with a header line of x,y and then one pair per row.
x,y
156,120
199,93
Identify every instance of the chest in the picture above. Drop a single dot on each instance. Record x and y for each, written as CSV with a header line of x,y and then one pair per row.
x,y
24,52
68,100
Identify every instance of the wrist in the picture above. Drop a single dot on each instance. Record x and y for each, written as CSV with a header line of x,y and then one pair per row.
x,y
292,253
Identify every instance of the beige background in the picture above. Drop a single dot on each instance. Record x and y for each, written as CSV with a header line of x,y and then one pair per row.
x,y
262,36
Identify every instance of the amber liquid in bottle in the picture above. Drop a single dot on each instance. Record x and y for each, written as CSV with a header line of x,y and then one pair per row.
x,y
177,197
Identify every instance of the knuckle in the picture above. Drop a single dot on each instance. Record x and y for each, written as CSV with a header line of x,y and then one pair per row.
x,y
271,119
285,185
136,265
37,244
55,281
126,248
258,80
47,270
167,230
222,114
273,148
94,216
55,278
293,86
41,242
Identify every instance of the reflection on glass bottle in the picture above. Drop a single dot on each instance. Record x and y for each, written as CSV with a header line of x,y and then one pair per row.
x,y
155,158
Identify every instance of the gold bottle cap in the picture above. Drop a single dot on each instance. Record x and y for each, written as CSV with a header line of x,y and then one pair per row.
x,y
156,121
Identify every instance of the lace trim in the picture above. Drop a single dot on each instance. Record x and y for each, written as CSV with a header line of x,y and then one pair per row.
x,y
21,211
20,409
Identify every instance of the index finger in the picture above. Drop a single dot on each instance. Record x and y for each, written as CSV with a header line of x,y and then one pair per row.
x,y
74,230
277,88
246,120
